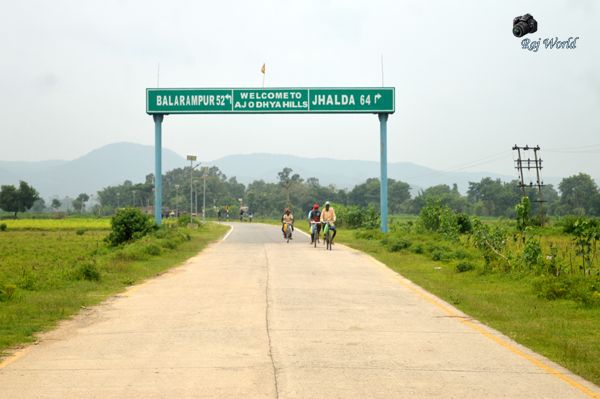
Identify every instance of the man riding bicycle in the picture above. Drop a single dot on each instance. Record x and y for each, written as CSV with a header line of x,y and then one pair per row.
x,y
287,219
328,216
314,223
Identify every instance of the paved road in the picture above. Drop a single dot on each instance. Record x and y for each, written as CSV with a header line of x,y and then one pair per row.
x,y
253,317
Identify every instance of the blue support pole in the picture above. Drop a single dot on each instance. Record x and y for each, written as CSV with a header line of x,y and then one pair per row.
x,y
383,193
158,118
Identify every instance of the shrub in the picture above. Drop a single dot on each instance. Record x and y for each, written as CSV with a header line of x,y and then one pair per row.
x,y
462,267
576,288
129,224
3,227
88,271
532,252
464,223
153,250
80,232
398,244
354,217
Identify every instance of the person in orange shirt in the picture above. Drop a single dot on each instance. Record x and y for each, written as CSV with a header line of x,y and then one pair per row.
x,y
328,216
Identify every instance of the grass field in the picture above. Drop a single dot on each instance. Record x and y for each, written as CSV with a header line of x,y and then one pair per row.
x,y
48,272
58,224
562,330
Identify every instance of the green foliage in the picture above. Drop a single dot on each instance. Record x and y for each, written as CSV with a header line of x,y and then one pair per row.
x,y
532,252
395,244
576,288
586,233
579,194
491,241
3,227
16,200
88,271
523,211
129,224
442,219
464,223
80,232
352,217
462,267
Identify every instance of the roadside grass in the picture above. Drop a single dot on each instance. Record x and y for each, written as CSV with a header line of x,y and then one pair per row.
x,y
46,276
76,223
562,330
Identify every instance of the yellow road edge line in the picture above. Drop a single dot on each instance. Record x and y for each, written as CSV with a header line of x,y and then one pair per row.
x,y
507,345
15,356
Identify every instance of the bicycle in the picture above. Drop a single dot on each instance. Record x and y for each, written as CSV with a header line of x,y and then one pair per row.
x,y
314,232
327,236
287,229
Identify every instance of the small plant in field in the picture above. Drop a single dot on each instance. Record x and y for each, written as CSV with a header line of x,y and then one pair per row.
x,y
88,271
523,211
397,244
3,227
80,232
462,267
7,291
129,224
586,233
532,251
491,241
28,279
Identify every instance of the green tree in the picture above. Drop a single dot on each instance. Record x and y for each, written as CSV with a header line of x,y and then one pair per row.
x,y
368,193
16,200
578,194
79,202
287,180
56,204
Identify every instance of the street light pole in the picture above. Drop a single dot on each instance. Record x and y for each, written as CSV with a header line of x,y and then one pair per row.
x,y
191,158
204,197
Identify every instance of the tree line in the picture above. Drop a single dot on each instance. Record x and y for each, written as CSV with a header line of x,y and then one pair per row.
x,y
576,195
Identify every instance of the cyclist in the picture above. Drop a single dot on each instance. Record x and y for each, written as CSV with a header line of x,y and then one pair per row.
x,y
314,222
328,216
287,218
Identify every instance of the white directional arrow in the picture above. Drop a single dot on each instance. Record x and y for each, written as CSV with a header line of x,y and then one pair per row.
x,y
377,97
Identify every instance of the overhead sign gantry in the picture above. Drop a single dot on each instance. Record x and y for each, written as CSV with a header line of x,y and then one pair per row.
x,y
309,100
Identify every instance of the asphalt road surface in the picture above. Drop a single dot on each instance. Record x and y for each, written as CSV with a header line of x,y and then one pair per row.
x,y
254,317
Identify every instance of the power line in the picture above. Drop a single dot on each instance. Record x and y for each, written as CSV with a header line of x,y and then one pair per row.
x,y
467,165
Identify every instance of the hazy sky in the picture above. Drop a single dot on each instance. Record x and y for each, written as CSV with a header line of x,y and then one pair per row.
x,y
73,76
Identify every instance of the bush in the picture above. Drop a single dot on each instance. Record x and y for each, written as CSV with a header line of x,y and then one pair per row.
x,y
153,250
398,244
464,223
462,267
3,227
578,289
129,224
80,232
88,271
354,217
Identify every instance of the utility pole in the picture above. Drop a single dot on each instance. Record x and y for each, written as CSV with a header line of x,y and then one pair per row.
x,y
535,163
191,158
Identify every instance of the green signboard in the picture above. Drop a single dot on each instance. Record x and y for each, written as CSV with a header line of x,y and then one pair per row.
x,y
271,100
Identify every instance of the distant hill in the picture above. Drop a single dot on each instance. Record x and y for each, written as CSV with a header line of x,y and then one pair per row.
x,y
343,173
108,165
115,163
